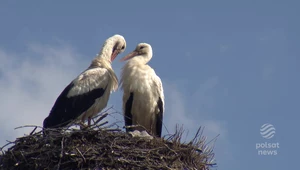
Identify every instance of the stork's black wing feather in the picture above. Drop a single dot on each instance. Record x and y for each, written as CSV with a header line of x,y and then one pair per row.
x,y
66,109
159,117
128,114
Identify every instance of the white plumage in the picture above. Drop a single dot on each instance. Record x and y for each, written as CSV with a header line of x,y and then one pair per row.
x,y
143,98
88,93
95,78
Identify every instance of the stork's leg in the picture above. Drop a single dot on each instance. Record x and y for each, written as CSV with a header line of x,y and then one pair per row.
x,y
82,124
89,121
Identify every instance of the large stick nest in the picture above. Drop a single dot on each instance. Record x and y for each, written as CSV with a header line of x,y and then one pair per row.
x,y
103,148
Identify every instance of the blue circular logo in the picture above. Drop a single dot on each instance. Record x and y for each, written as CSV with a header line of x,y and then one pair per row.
x,y
267,131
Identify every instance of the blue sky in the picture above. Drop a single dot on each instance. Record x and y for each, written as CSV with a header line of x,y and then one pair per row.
x,y
230,66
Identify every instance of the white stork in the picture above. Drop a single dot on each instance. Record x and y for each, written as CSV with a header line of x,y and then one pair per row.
x,y
143,98
89,92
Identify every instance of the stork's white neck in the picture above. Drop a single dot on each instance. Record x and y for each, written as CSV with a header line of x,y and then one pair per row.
x,y
103,59
107,49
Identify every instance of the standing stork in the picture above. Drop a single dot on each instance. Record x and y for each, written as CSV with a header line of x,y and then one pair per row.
x,y
89,92
143,98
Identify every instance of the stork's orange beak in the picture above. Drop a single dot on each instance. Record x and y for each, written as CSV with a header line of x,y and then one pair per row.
x,y
114,55
129,56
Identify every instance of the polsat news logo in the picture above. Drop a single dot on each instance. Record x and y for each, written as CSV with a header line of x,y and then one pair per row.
x,y
267,131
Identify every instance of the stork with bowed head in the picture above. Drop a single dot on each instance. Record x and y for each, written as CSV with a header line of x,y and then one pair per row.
x,y
89,92
143,98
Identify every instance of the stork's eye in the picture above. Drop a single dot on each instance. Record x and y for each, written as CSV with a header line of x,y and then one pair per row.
x,y
142,47
123,47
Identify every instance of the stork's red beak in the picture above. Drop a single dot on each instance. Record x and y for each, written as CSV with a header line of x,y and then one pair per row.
x,y
129,56
114,55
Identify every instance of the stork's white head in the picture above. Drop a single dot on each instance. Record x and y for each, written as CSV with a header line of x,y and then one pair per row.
x,y
112,47
142,53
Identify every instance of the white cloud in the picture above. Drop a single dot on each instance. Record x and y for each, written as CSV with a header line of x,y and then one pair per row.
x,y
190,112
30,82
187,112
202,96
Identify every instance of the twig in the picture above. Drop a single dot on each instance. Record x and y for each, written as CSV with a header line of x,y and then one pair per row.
x,y
102,123
61,153
23,157
33,131
9,142
197,134
81,154
171,149
27,126
113,130
101,118
103,112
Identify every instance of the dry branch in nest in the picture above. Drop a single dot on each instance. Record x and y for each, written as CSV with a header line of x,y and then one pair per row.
x,y
102,148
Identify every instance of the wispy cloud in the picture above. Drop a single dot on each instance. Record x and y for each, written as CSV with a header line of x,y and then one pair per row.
x,y
191,111
30,83
183,110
